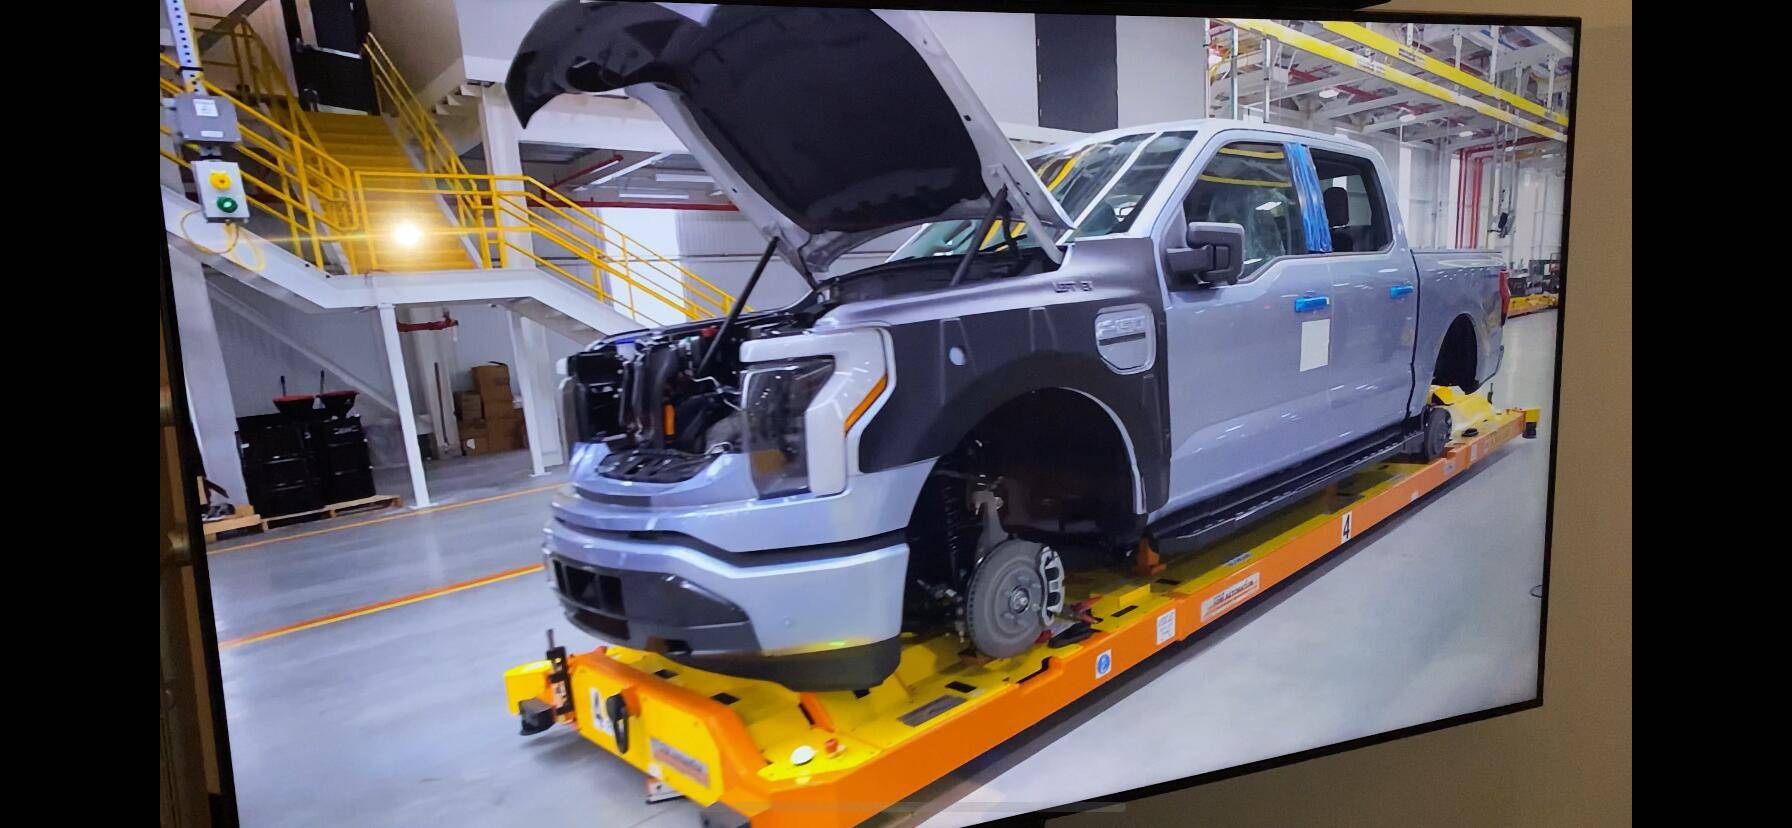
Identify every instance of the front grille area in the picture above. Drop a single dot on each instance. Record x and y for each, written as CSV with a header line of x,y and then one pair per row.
x,y
654,599
653,465
590,587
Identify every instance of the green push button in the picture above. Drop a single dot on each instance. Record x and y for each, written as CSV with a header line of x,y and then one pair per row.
x,y
226,204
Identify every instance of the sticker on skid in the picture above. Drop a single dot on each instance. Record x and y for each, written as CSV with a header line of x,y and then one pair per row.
x,y
1231,596
1166,627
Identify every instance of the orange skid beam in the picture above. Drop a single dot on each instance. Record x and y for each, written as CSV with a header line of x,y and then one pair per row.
x,y
734,747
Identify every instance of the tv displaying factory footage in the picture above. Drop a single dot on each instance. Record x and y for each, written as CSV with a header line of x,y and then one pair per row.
x,y
786,415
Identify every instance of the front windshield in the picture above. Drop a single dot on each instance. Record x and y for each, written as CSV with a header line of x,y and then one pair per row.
x,y
1120,173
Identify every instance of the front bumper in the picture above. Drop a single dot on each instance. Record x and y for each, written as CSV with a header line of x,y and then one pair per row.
x,y
708,573
678,595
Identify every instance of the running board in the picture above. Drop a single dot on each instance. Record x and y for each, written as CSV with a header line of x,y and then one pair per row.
x,y
1203,524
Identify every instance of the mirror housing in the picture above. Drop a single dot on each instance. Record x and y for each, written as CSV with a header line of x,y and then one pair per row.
x,y
1214,254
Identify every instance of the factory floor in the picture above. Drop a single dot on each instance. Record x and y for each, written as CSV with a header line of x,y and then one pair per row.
x,y
362,664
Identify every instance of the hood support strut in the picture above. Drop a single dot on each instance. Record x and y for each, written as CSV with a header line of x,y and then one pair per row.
x,y
1000,205
739,302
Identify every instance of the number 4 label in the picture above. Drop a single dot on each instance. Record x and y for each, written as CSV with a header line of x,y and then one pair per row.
x,y
1344,528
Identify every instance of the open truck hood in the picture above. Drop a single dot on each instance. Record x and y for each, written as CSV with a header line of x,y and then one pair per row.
x,y
827,127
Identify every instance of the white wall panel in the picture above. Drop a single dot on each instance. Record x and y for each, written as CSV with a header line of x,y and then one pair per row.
x,y
1161,68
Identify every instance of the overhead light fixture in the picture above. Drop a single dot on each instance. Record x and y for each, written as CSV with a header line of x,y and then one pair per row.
x,y
1329,93
1465,133
669,196
407,234
1408,118
684,178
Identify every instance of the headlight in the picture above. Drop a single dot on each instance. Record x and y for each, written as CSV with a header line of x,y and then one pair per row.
x,y
775,396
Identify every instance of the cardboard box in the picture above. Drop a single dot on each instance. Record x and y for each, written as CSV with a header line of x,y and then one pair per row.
x,y
492,381
505,409
493,435
469,406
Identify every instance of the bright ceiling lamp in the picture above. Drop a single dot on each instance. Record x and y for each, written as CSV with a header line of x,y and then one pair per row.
x,y
1408,118
1465,133
407,234
1328,93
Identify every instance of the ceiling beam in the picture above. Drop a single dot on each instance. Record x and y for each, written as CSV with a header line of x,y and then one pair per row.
x,y
1448,131
1419,119
1549,38
1384,72
1346,108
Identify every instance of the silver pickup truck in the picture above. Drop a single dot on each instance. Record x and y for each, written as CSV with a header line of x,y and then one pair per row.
x,y
1151,335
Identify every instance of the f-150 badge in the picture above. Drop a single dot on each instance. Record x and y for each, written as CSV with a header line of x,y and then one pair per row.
x,y
1126,338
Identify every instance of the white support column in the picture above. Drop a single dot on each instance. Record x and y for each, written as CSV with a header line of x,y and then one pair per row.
x,y
208,388
401,391
431,354
500,133
534,371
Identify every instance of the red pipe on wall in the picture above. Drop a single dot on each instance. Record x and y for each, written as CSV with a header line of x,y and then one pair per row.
x,y
617,157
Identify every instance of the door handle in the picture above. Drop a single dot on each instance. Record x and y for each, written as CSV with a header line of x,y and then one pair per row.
x,y
1303,304
1398,291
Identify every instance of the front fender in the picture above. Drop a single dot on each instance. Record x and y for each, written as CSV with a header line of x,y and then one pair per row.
x,y
957,371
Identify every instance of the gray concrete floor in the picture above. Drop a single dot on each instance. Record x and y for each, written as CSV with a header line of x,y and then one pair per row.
x,y
397,717
451,480
456,479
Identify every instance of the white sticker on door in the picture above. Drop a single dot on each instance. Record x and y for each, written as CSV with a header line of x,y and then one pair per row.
x,y
1315,344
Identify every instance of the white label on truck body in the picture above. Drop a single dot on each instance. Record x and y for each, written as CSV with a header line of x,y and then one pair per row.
x,y
1315,344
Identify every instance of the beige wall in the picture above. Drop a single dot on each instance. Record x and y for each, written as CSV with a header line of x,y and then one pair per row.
x,y
267,23
422,37
1567,763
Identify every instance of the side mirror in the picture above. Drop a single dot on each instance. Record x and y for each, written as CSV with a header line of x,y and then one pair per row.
x,y
1214,254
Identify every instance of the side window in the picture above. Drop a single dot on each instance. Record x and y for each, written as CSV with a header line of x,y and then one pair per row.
x,y
1354,209
1120,205
1251,184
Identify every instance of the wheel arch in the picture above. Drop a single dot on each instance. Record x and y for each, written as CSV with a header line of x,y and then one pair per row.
x,y
1458,355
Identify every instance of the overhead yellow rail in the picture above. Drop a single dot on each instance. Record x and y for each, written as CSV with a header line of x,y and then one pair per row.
x,y
1412,55
1370,66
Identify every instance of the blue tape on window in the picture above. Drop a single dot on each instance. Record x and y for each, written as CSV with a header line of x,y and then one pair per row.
x,y
1312,208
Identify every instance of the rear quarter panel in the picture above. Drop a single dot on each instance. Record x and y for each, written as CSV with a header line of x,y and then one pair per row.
x,y
1452,284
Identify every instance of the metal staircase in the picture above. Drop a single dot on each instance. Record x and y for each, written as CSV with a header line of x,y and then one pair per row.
x,y
367,143
386,199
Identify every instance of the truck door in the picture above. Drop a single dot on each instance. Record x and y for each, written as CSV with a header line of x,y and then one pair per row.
x,y
1250,364
1375,294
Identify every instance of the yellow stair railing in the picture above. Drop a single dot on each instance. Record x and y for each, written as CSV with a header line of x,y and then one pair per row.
x,y
321,203
540,208
286,177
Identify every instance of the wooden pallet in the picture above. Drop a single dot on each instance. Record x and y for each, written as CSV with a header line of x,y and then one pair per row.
x,y
365,504
231,523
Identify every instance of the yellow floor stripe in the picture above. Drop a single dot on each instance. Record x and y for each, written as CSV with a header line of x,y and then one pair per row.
x,y
379,607
401,515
